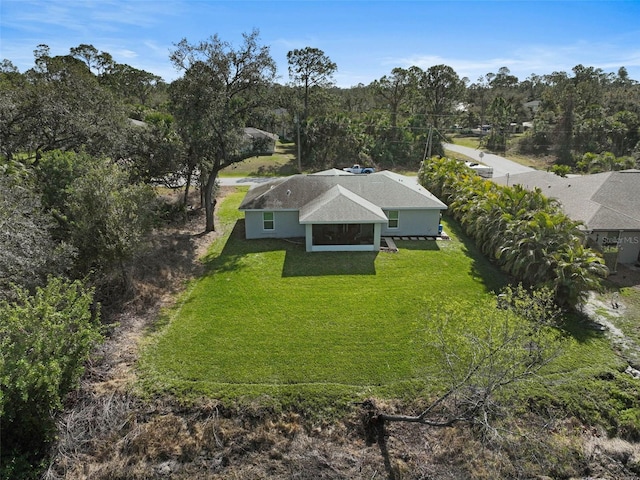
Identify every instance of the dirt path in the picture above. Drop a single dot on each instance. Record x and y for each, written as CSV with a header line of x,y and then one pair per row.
x,y
103,400
172,259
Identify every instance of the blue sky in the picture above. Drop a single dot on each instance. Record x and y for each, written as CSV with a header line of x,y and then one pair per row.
x,y
366,39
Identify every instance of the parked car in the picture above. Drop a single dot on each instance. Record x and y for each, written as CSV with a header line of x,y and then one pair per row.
x,y
358,169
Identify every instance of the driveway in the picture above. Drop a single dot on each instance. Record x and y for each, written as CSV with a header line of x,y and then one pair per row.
x,y
501,166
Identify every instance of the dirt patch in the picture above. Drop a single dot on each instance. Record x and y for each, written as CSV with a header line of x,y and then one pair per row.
x,y
615,312
626,276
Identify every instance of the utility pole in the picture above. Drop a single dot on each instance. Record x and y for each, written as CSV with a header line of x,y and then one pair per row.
x,y
297,121
427,149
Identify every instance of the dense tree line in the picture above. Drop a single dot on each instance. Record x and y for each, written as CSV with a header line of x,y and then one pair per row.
x,y
84,139
75,208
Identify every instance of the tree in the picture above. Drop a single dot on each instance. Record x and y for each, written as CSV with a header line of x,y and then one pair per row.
x,y
108,217
310,67
478,97
155,151
441,90
503,80
130,83
61,105
96,61
500,113
28,251
395,90
45,340
525,232
479,369
334,138
220,89
99,210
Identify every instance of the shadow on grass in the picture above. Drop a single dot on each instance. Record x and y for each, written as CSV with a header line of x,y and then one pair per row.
x,y
576,325
279,169
298,262
235,248
580,327
284,170
481,268
425,245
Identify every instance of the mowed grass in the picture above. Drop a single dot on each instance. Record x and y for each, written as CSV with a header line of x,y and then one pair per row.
x,y
282,162
270,319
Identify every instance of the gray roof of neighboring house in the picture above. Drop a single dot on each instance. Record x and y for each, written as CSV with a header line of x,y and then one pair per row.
x,y
138,123
308,193
602,201
257,133
333,171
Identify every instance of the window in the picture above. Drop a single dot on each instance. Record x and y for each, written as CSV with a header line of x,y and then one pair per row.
x,y
393,218
267,221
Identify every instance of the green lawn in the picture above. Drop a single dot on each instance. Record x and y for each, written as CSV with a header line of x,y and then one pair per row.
x,y
281,163
269,318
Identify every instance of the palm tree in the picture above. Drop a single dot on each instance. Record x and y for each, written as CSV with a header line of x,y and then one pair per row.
x,y
577,271
525,232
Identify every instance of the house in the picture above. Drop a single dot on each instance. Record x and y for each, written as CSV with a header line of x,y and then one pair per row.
x,y
533,106
608,204
340,211
259,140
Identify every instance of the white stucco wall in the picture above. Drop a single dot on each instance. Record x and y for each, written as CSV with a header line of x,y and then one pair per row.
x,y
628,243
286,225
414,222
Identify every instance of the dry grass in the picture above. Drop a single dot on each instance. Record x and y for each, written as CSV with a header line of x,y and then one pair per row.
x,y
118,436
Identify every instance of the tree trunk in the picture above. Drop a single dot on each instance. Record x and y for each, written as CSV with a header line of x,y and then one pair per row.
x,y
209,201
186,189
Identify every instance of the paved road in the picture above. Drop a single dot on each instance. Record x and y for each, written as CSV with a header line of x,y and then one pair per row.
x,y
501,166
251,181
242,181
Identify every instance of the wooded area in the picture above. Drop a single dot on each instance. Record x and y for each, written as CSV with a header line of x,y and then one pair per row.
x,y
85,143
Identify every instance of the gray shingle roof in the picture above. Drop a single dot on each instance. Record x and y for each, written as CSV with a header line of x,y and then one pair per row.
x,y
333,171
385,190
602,201
338,202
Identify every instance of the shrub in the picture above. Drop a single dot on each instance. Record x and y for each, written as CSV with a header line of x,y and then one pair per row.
x,y
44,341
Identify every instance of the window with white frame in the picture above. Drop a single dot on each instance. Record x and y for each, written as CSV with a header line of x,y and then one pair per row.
x,y
392,215
267,221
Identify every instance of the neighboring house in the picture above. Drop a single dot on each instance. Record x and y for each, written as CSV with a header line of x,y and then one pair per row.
x,y
533,106
262,141
608,204
339,211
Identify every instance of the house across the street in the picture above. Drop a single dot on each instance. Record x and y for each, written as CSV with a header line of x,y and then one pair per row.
x,y
257,139
608,205
339,211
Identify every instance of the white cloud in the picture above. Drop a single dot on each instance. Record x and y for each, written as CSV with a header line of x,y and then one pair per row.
x,y
531,59
124,53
